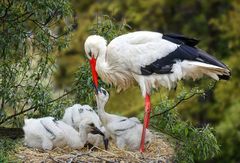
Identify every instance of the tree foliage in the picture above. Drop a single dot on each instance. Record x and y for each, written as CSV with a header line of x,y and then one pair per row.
x,y
7,147
191,143
29,35
228,134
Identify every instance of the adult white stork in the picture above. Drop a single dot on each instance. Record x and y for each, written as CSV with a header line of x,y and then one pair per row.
x,y
153,60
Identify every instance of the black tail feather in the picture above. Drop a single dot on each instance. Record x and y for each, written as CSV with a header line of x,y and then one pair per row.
x,y
210,59
183,52
180,39
224,77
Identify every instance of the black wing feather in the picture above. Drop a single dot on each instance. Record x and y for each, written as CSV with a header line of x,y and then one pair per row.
x,y
183,52
180,39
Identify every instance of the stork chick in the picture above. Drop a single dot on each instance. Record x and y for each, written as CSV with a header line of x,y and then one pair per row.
x,y
76,114
46,133
125,131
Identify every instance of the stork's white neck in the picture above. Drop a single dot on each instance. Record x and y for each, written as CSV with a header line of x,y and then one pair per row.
x,y
112,71
101,112
101,59
102,66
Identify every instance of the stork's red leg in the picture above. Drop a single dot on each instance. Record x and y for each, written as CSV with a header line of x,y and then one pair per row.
x,y
147,109
146,120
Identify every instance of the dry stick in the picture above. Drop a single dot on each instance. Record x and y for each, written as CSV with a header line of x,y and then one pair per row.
x,y
76,156
99,158
130,153
86,154
105,151
53,159
56,160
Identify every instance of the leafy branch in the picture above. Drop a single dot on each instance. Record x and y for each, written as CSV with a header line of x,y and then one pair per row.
x,y
184,98
23,72
81,76
35,107
191,143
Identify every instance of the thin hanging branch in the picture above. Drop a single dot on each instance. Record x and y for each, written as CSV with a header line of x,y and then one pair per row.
x,y
34,107
182,100
167,133
176,104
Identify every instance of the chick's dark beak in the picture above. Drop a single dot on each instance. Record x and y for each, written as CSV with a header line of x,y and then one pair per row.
x,y
95,130
105,141
95,88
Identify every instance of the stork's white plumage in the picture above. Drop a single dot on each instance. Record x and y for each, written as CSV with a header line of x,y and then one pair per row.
x,y
152,59
46,133
77,113
126,132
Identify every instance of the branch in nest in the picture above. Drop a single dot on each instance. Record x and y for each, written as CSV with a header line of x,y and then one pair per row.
x,y
74,157
71,159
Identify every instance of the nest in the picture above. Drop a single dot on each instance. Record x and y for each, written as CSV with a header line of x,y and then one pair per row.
x,y
158,151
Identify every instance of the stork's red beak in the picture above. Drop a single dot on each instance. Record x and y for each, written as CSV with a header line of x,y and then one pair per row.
x,y
94,72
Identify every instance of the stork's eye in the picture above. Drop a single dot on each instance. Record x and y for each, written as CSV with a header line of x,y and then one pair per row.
x,y
91,124
90,53
104,92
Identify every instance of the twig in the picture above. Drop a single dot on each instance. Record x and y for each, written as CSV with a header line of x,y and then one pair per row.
x,y
25,19
176,104
100,158
76,156
49,19
53,159
105,151
56,160
42,28
166,133
18,17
